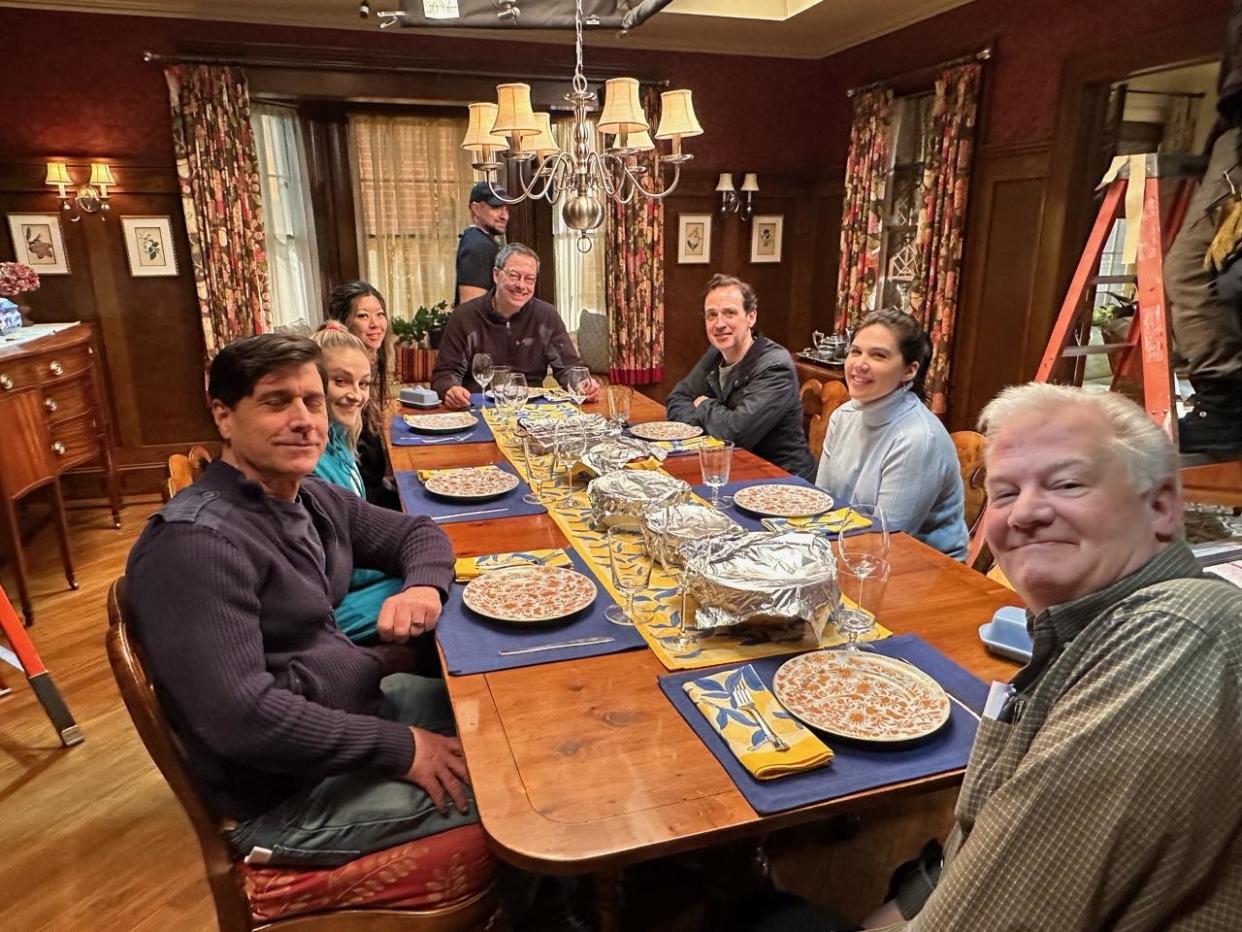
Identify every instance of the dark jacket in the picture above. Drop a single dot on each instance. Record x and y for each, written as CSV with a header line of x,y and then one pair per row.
x,y
761,412
235,619
529,341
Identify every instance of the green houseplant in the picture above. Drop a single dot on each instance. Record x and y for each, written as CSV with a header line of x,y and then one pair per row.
x,y
430,321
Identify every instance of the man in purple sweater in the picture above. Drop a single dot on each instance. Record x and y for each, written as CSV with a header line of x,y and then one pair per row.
x,y
291,732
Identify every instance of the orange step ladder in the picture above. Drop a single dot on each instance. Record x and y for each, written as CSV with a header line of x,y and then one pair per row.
x,y
40,680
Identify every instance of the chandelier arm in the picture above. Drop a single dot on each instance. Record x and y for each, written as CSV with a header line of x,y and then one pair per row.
x,y
658,195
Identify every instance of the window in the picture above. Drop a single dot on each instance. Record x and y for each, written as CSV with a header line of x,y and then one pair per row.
x,y
413,181
288,225
579,277
898,254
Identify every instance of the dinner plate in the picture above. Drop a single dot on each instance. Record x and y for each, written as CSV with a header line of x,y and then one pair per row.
x,y
783,501
445,423
529,593
665,430
471,484
860,695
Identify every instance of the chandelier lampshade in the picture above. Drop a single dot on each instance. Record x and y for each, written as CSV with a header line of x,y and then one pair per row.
x,y
514,116
543,144
480,140
677,119
623,113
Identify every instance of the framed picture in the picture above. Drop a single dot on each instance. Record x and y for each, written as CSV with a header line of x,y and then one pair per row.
x,y
149,246
694,239
765,237
38,242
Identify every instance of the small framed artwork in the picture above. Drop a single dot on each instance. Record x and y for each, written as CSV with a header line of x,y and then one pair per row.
x,y
765,237
694,239
149,246
38,242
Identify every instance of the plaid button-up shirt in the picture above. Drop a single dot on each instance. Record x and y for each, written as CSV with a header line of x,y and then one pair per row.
x,y
1113,801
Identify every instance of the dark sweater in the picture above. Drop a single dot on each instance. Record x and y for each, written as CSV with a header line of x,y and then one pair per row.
x,y
235,620
529,341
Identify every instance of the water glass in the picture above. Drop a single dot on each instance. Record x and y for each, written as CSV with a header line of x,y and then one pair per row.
x,y
714,463
630,567
573,443
500,378
859,551
482,369
619,399
866,591
515,392
576,380
541,463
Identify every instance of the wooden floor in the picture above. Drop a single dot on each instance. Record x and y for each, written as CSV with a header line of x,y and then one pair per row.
x,y
91,837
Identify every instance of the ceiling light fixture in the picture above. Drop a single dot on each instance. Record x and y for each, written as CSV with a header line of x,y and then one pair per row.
x,y
585,175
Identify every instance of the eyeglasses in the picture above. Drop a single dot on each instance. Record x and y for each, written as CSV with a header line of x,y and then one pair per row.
x,y
517,277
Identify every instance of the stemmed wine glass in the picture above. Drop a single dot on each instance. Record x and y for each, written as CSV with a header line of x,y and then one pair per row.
x,y
714,463
864,569
630,567
482,370
573,444
516,392
541,462
658,518
576,380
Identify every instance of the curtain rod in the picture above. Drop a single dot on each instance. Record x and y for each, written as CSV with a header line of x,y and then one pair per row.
x,y
345,65
981,55
1194,94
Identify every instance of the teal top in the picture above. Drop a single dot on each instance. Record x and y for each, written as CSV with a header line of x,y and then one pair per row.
x,y
359,610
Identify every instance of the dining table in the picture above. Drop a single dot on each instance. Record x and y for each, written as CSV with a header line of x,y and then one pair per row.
x,y
583,766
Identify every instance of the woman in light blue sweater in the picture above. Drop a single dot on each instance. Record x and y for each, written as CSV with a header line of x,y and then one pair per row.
x,y
349,388
885,447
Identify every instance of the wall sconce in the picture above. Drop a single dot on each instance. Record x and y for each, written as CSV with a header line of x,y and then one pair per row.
x,y
91,197
732,200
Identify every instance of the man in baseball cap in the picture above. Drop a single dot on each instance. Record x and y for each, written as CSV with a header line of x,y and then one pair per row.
x,y
477,246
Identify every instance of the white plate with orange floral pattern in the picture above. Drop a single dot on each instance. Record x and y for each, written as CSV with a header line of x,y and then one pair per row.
x,y
529,594
783,501
444,423
860,695
665,430
471,483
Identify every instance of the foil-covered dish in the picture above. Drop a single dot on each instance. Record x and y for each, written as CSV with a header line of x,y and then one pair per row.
x,y
613,453
542,427
621,497
667,528
759,578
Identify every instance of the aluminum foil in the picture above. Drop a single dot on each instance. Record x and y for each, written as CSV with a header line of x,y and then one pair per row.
x,y
758,578
668,528
621,497
542,428
614,453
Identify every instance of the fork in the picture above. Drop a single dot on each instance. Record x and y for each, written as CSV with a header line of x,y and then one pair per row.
x,y
460,439
743,699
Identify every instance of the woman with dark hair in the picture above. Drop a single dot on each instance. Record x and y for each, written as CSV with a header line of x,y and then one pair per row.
x,y
361,308
884,447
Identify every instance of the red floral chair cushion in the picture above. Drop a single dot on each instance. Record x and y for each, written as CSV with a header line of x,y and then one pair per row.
x,y
428,873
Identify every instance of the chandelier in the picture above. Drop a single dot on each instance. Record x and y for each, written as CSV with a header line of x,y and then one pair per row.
x,y
583,176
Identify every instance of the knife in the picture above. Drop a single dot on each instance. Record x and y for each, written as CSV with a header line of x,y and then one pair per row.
x,y
580,642
466,514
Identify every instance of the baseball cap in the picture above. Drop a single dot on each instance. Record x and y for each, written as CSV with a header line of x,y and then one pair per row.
x,y
481,192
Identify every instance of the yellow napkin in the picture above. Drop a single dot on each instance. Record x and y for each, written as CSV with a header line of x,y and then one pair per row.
x,y
425,474
468,568
678,446
714,697
830,521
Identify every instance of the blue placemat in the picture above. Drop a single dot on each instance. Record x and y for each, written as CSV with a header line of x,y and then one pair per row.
x,y
471,643
401,435
855,767
415,500
476,400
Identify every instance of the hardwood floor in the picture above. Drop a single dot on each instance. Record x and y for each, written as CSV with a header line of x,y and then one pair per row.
x,y
92,837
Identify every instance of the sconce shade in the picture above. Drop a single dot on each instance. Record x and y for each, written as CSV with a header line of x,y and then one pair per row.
x,y
725,183
479,132
544,143
622,111
640,140
750,182
101,174
677,116
514,116
57,173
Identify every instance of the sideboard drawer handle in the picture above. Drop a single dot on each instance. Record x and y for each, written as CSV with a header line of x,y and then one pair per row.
x,y
5,382
55,368
58,448
50,404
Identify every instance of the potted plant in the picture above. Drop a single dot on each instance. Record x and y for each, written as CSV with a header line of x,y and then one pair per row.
x,y
431,321
15,279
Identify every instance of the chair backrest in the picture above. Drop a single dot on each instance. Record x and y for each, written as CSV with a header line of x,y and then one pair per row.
x,y
831,396
184,468
969,446
199,456
125,655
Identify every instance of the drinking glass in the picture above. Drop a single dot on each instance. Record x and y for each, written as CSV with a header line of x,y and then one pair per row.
x,y
670,561
482,370
630,567
516,392
866,591
714,462
541,465
573,444
619,398
859,550
576,379
500,376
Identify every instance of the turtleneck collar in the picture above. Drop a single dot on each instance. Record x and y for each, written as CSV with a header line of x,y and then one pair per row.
x,y
883,410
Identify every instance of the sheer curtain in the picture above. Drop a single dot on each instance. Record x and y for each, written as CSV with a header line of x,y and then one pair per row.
x,y
579,278
289,225
413,181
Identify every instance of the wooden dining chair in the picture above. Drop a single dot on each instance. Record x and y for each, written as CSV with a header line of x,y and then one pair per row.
x,y
969,445
237,887
184,468
831,396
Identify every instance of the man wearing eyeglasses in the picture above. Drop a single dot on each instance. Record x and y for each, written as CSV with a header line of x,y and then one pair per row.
x,y
509,324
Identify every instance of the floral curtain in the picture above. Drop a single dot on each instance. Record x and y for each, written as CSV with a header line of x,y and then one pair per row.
x,y
862,217
634,244
942,219
218,172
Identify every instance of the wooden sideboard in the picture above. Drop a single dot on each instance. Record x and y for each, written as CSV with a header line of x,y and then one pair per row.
x,y
52,418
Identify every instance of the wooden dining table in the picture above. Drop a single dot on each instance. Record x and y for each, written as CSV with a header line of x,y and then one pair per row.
x,y
583,766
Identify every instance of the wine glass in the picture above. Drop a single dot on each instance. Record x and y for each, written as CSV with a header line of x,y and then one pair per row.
x,y
500,376
619,398
482,370
541,462
714,463
573,439
658,519
630,567
866,591
516,393
576,380
858,550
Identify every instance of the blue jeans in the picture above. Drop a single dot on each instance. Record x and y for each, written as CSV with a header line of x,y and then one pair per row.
x,y
352,814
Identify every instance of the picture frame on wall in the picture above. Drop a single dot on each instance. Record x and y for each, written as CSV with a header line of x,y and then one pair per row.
x,y
39,243
149,246
694,239
765,237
